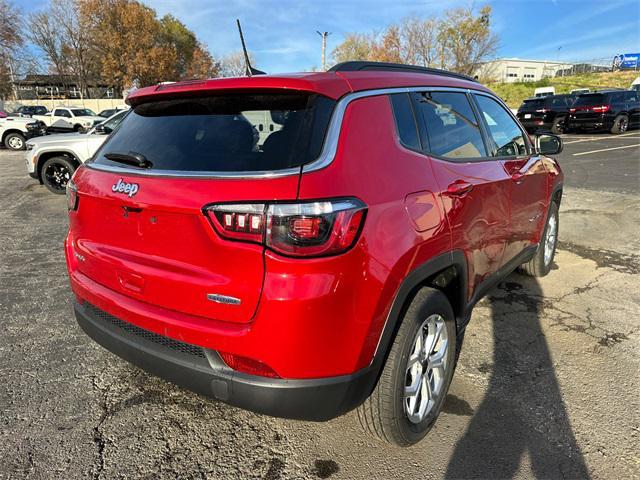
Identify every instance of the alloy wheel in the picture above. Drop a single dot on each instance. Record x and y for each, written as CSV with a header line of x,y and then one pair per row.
x,y
426,369
550,239
57,176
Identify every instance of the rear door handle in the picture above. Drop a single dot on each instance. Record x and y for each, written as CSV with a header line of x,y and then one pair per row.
x,y
459,188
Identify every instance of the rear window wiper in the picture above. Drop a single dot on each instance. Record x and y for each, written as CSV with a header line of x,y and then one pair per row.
x,y
131,158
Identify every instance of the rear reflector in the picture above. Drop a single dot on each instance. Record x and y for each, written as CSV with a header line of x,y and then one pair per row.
x,y
248,365
319,228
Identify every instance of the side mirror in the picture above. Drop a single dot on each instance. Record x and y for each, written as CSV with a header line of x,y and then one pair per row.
x,y
101,129
547,144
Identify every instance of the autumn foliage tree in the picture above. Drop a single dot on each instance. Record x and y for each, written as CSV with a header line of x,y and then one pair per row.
x,y
459,40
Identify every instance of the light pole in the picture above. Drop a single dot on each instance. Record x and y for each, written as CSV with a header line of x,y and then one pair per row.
x,y
324,36
558,60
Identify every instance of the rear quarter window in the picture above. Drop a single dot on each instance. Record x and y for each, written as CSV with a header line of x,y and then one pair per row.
x,y
405,120
224,133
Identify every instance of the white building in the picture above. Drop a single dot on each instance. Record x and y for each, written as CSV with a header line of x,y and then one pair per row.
x,y
519,70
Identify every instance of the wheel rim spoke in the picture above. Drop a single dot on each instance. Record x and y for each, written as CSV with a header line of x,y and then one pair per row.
x,y
426,369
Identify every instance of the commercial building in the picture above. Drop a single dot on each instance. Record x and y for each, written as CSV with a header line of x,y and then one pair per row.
x,y
519,70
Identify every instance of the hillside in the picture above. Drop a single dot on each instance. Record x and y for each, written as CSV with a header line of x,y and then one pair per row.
x,y
514,93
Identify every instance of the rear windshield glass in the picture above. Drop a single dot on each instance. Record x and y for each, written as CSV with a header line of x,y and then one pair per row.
x,y
590,99
224,133
534,103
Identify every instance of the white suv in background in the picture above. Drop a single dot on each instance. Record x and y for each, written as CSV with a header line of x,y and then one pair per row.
x,y
53,159
69,119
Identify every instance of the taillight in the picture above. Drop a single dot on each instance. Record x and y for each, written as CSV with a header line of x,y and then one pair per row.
x,y
572,110
72,195
243,221
318,228
601,108
543,110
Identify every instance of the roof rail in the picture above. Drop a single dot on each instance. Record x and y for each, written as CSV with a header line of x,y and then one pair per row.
x,y
355,66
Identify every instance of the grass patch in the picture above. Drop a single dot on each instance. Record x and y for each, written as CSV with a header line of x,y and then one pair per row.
x,y
514,93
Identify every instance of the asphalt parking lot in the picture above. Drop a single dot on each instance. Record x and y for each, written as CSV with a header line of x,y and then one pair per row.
x,y
547,384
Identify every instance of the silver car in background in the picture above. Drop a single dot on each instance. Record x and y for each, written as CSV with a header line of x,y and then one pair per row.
x,y
52,159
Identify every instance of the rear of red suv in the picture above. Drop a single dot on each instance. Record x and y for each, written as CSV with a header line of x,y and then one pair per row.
x,y
263,241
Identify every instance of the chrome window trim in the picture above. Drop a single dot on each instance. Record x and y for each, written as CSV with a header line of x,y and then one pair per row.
x,y
329,148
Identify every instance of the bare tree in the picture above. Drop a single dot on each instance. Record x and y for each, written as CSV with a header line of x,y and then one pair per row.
x,y
11,43
461,40
356,46
233,65
466,39
420,40
45,34
77,46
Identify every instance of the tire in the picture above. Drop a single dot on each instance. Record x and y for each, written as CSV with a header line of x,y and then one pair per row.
x,y
56,172
385,414
620,124
558,126
78,128
540,264
15,141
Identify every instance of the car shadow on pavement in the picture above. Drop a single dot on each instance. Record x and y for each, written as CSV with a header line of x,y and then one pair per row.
x,y
522,418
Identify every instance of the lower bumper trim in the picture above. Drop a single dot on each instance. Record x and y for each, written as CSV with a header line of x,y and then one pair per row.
x,y
308,399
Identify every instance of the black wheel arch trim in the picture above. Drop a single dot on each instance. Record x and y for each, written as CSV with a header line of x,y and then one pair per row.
x,y
428,270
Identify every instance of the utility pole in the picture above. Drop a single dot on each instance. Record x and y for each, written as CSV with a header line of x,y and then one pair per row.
x,y
324,36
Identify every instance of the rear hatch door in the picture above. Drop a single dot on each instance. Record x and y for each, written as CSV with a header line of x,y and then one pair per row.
x,y
142,232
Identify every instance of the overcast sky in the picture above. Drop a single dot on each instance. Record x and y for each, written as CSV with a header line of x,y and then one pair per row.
x,y
282,34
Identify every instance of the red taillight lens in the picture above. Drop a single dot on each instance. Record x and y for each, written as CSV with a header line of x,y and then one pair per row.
x,y
248,365
243,221
601,108
314,229
572,110
298,229
72,195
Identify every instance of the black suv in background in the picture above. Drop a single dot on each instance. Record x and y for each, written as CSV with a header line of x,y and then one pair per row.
x,y
29,111
545,113
614,111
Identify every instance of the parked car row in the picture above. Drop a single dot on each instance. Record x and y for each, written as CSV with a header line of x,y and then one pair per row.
x,y
613,111
53,159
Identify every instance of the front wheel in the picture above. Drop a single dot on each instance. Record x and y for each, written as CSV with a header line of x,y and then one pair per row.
x,y
14,141
416,377
540,264
56,173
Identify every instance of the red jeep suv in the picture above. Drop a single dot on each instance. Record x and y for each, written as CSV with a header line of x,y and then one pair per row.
x,y
302,245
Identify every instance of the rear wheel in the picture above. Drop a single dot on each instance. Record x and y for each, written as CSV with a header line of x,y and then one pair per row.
x,y
414,382
14,141
56,173
558,126
540,264
620,124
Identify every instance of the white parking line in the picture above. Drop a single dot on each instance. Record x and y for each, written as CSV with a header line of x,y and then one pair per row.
x,y
605,150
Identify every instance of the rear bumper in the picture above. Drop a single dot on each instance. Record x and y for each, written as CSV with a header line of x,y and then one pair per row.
x,y
202,371
598,123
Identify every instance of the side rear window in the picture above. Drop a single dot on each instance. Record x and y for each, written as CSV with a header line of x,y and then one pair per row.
x,y
505,134
451,128
220,133
405,120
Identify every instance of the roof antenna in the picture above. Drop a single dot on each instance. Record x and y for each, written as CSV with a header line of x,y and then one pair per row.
x,y
248,68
